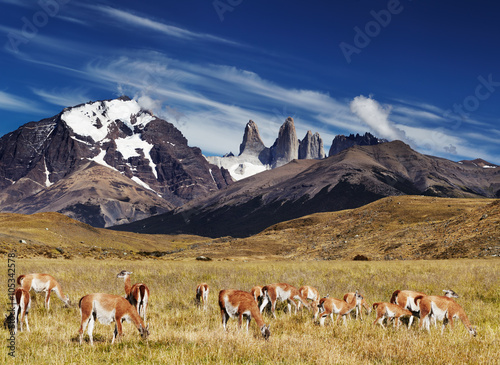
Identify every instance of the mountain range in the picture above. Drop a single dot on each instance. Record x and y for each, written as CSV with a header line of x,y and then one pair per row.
x,y
352,178
103,163
113,164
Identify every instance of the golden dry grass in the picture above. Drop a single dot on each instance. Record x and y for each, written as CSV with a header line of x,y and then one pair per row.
x,y
184,334
404,227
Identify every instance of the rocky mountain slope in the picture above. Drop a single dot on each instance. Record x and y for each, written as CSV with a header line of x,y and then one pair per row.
x,y
349,179
103,162
341,142
255,157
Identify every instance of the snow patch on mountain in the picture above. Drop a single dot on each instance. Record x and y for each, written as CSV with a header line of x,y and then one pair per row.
x,y
240,167
130,147
94,119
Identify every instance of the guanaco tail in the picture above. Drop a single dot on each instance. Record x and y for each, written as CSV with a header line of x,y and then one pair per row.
x,y
202,294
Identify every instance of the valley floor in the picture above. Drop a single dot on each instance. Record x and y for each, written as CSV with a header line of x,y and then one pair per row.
x,y
181,333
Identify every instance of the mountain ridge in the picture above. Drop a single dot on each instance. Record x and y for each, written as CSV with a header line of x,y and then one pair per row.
x,y
349,179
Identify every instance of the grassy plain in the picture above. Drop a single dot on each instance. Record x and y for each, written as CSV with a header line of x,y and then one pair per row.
x,y
184,334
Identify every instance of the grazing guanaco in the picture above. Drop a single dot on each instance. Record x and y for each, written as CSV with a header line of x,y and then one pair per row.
x,y
328,306
282,291
22,305
202,294
45,283
310,293
442,308
406,300
389,311
137,294
108,308
348,297
238,303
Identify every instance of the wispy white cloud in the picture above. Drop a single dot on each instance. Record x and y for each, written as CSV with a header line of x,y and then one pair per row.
x,y
62,97
225,97
151,24
21,3
17,103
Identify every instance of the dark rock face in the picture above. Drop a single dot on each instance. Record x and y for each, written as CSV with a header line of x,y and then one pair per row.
x,y
286,146
341,142
349,179
252,143
117,134
311,147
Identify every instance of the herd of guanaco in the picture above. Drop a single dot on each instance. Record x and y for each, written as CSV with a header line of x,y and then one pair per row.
x,y
109,308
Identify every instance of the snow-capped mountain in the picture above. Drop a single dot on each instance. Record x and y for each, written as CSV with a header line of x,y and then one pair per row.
x,y
255,157
132,163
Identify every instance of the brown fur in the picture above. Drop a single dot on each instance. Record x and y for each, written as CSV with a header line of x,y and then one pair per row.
x,y
329,306
349,297
311,293
256,291
137,294
430,305
202,291
100,306
22,304
238,303
36,281
405,299
389,310
282,291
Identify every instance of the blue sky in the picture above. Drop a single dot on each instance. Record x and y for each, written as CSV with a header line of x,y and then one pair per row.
x,y
425,72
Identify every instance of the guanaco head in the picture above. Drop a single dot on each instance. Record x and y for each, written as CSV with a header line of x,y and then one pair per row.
x,y
265,330
144,331
67,302
472,331
123,274
450,293
358,297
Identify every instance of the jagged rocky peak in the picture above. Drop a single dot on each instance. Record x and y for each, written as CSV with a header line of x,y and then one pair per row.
x,y
311,147
286,146
252,143
341,142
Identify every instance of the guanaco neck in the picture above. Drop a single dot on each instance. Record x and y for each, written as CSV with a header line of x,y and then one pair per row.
x,y
257,316
465,320
128,284
134,316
